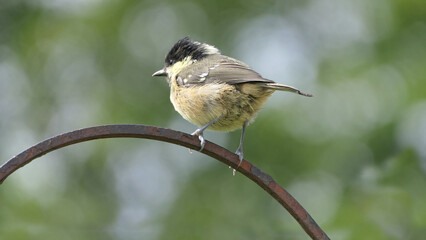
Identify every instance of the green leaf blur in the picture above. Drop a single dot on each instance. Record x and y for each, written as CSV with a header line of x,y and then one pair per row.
x,y
354,155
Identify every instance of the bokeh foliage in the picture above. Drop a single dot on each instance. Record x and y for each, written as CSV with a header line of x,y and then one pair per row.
x,y
354,155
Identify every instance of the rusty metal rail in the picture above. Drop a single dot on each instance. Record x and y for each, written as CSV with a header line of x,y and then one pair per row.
x,y
167,135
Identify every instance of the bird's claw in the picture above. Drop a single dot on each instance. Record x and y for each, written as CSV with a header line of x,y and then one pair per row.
x,y
199,133
202,142
240,156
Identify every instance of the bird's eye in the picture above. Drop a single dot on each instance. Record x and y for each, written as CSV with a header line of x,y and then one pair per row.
x,y
171,61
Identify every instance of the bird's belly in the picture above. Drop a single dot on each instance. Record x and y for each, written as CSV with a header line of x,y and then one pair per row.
x,y
203,104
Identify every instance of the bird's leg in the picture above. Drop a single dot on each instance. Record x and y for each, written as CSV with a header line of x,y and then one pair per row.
x,y
239,151
199,132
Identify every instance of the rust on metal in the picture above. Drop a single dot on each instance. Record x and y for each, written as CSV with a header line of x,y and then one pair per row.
x,y
183,139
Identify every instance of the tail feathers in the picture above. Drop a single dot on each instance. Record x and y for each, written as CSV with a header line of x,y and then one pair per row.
x,y
282,87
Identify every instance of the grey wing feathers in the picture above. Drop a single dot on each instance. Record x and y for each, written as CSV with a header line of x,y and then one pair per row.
x,y
221,70
282,87
235,73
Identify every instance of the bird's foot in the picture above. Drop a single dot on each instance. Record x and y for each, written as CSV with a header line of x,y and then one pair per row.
x,y
240,154
199,133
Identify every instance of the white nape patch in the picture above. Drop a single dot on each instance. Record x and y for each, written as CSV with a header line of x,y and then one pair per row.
x,y
210,49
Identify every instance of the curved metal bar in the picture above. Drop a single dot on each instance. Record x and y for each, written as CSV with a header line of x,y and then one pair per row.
x,y
167,135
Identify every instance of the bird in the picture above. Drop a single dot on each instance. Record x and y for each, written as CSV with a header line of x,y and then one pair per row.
x,y
214,91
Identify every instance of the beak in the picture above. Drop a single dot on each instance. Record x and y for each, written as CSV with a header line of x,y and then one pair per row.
x,y
159,73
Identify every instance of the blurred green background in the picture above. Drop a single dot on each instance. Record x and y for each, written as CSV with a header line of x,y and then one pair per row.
x,y
354,155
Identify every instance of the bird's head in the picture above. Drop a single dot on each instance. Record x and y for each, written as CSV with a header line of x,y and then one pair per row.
x,y
184,53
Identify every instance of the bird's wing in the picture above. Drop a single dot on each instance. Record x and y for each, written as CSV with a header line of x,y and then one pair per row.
x,y
220,69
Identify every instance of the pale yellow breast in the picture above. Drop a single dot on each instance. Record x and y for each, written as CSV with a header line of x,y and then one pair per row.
x,y
200,104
